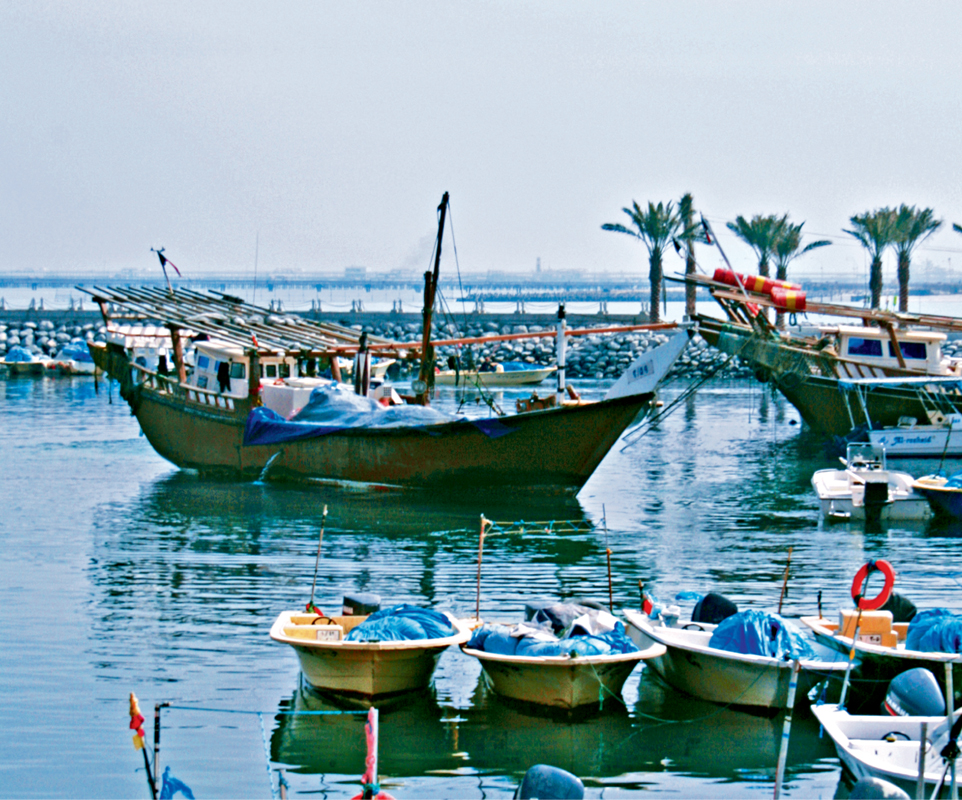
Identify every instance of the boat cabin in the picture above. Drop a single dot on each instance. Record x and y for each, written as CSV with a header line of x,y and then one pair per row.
x,y
921,350
222,368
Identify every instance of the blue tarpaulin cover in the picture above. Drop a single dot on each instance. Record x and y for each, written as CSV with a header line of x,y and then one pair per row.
x,y
76,351
17,353
935,630
332,409
759,634
401,623
532,642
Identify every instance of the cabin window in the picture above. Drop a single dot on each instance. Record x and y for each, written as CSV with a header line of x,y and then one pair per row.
x,y
270,370
202,382
915,350
203,362
864,347
238,371
285,370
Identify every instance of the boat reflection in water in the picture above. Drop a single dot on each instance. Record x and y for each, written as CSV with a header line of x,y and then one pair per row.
x,y
659,732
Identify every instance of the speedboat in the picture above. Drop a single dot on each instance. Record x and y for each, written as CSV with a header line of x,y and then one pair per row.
x,y
366,667
691,664
866,489
504,374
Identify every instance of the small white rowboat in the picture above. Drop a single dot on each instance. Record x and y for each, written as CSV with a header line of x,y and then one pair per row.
x,y
564,682
368,669
689,664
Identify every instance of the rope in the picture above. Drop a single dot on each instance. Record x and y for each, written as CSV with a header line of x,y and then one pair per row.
x,y
547,527
259,713
632,437
267,756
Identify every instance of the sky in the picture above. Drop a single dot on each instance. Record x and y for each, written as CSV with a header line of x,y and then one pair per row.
x,y
315,136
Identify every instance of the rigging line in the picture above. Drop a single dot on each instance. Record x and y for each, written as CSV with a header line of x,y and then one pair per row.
x,y
457,264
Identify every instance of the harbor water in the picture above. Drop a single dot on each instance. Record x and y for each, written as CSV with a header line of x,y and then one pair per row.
x,y
121,573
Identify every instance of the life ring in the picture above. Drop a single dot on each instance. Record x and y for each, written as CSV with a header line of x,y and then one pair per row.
x,y
870,604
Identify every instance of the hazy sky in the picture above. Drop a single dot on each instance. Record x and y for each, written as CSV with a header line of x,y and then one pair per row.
x,y
330,130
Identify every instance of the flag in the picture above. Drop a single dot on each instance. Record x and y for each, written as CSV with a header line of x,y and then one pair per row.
x,y
254,339
647,605
164,261
136,722
313,609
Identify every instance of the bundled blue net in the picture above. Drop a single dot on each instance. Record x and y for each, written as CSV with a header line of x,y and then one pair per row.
x,y
402,623
533,642
759,634
935,630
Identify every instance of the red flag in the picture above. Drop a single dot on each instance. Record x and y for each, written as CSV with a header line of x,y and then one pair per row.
x,y
136,722
164,261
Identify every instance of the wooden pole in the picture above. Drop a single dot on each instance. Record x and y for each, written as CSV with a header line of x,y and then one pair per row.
x,y
426,371
788,564
477,602
920,781
604,519
786,730
317,559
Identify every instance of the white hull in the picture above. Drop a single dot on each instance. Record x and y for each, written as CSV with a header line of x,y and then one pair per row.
x,y
841,494
520,377
649,368
919,440
862,746
368,669
562,682
690,665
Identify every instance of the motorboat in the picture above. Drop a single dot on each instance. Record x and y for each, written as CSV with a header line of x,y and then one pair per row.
x,y
502,375
689,663
889,747
866,489
943,493
330,662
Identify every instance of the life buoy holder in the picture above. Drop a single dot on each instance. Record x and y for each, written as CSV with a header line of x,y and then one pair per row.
x,y
866,603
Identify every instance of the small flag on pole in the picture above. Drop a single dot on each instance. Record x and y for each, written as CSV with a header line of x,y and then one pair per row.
x,y
136,722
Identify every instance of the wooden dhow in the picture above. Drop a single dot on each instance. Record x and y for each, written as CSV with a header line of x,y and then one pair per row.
x,y
197,416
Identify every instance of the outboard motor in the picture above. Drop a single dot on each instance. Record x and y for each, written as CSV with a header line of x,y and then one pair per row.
x,y
362,604
713,608
914,693
549,783
876,498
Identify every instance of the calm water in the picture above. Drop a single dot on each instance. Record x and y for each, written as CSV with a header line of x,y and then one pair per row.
x,y
120,573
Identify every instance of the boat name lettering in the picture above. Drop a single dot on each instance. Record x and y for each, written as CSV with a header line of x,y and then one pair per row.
x,y
643,369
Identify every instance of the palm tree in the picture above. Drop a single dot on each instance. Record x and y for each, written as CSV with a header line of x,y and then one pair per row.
x,y
788,247
912,227
874,231
688,235
760,234
655,228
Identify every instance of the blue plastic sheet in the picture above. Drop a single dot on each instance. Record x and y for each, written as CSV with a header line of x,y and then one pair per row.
x,y
935,630
76,351
759,634
332,410
19,354
402,623
498,639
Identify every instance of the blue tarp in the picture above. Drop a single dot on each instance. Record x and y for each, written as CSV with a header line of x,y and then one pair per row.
x,y
401,623
20,354
332,410
935,630
499,639
759,634
76,351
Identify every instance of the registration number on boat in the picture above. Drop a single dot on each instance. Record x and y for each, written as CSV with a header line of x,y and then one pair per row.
x,y
329,633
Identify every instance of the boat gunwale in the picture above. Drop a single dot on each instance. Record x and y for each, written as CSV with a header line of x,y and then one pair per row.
x,y
463,627
654,651
814,665
877,649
